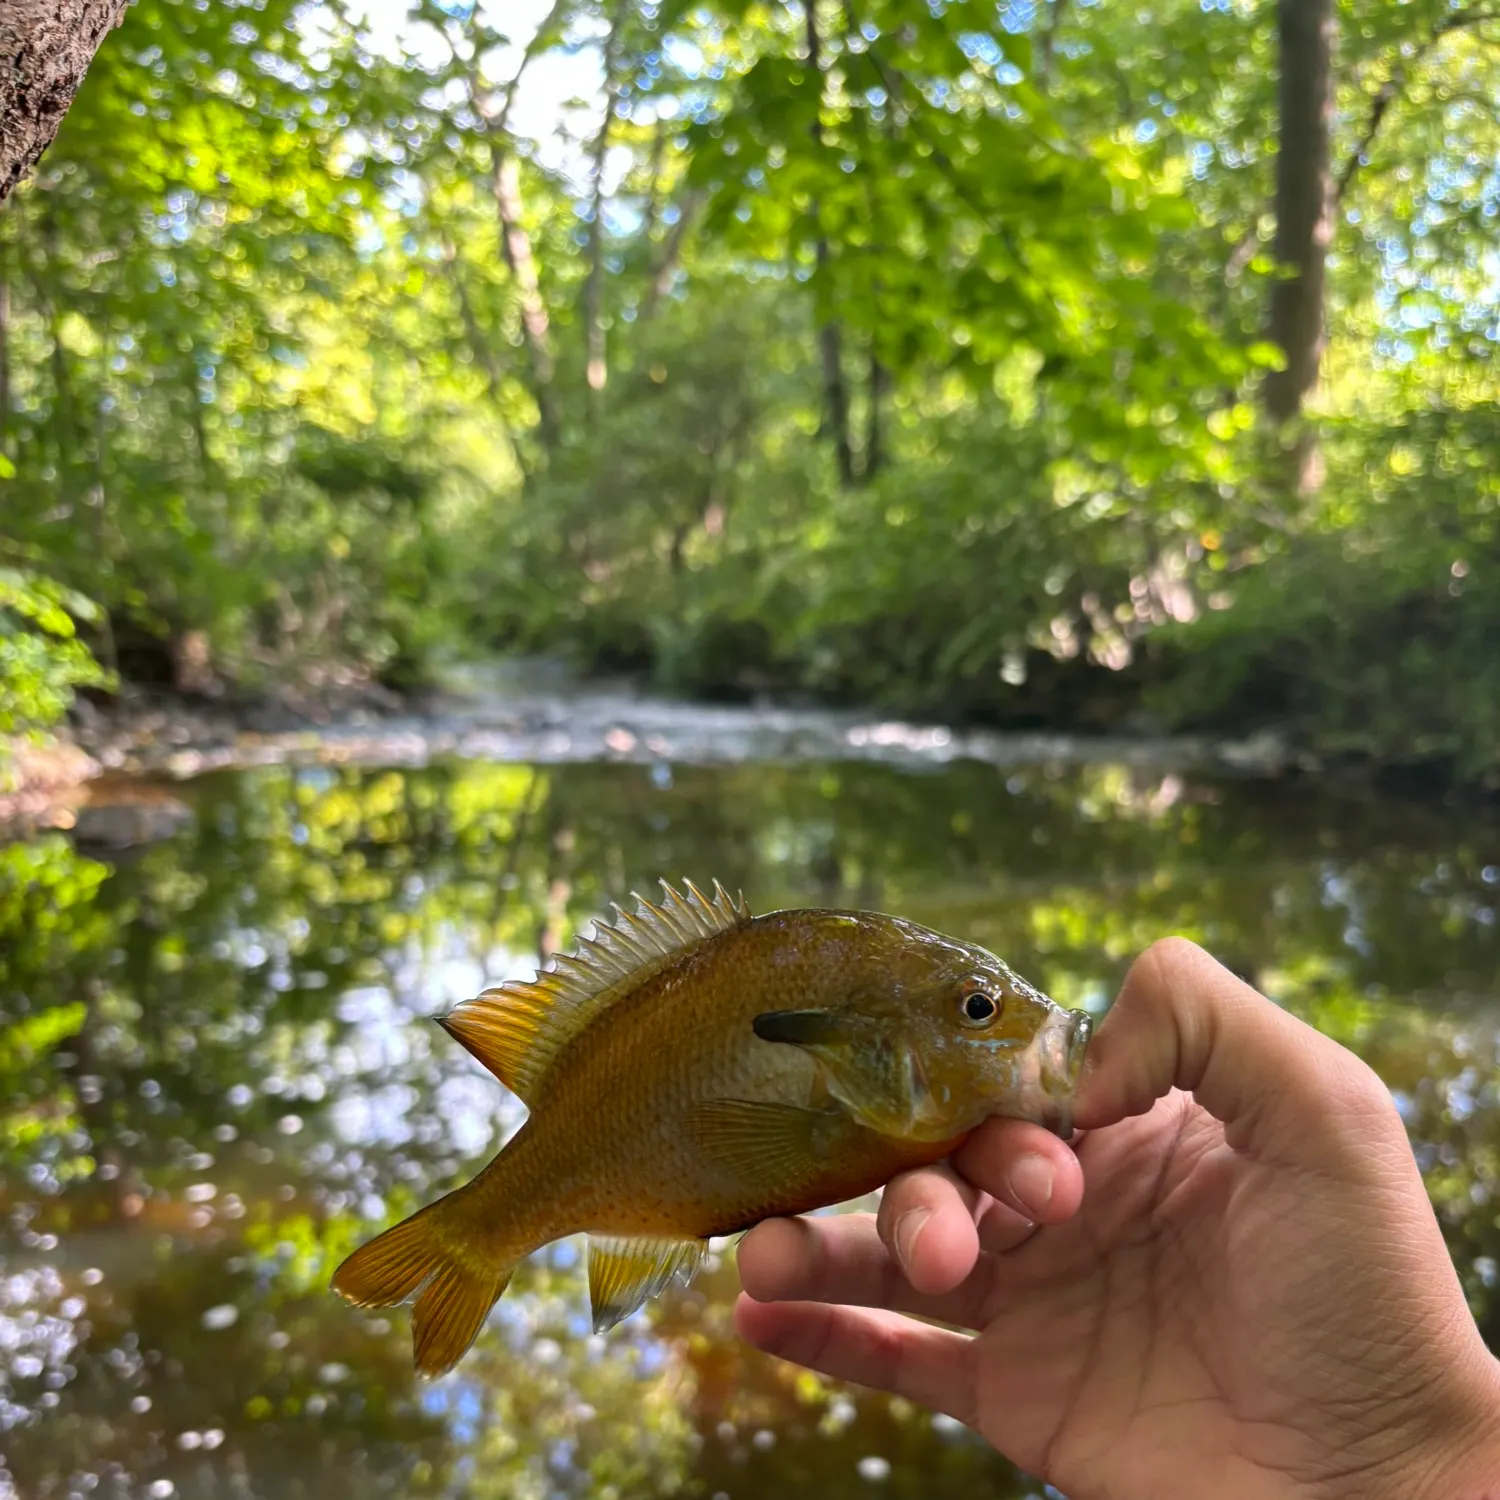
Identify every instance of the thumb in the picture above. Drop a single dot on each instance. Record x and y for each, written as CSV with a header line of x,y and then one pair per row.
x,y
1183,1021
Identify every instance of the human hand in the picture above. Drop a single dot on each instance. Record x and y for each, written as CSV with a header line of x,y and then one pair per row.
x,y
1238,1288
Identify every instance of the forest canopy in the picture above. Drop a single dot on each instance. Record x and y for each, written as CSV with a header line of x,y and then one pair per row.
x,y
1077,364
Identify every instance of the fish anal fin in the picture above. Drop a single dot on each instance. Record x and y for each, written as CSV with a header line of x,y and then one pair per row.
x,y
767,1147
516,1029
625,1272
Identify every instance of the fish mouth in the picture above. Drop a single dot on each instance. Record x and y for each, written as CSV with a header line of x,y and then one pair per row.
x,y
1080,1032
1062,1046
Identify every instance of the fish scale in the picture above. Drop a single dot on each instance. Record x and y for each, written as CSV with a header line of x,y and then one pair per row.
x,y
692,1070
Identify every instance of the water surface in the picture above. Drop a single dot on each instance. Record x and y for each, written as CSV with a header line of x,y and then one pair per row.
x,y
217,1077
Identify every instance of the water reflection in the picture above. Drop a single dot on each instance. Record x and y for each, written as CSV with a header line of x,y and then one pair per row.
x,y
215,1078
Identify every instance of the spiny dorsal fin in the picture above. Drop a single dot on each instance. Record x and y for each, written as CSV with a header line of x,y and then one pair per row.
x,y
517,1028
625,1272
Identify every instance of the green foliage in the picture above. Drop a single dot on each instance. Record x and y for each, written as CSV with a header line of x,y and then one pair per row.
x,y
41,658
926,368
1371,629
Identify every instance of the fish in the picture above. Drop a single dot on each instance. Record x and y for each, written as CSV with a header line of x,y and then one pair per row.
x,y
692,1069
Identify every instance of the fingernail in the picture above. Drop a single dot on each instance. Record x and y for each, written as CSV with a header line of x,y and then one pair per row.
x,y
1031,1181
908,1227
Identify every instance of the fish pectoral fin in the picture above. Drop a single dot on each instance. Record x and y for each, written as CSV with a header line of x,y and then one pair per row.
x,y
870,1069
625,1272
768,1147
812,1029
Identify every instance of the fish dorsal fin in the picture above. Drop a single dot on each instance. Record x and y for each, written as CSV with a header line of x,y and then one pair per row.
x,y
625,1273
517,1028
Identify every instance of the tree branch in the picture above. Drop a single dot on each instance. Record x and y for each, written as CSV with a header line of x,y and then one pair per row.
x,y
894,82
596,368
1388,92
515,242
481,347
1046,52
830,339
671,252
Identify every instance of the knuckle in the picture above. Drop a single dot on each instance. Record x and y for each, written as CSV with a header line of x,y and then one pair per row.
x,y
816,1341
1361,1092
1358,1109
1168,958
883,1350
1174,949
1160,970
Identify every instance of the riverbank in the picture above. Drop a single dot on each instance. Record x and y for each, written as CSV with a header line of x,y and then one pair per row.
x,y
516,713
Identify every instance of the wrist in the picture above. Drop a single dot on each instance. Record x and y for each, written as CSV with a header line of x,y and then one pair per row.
x,y
1475,1478
1462,1462
1439,1442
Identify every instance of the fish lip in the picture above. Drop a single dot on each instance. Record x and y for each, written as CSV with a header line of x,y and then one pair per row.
x,y
1065,1042
1080,1032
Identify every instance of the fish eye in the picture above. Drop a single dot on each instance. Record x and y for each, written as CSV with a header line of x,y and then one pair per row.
x,y
979,1008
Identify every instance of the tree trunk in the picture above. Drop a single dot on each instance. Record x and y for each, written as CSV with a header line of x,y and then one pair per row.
x,y
4,361
671,254
830,339
45,49
515,242
653,174
98,499
516,246
596,367
880,382
1304,200
62,391
834,389
479,345
208,466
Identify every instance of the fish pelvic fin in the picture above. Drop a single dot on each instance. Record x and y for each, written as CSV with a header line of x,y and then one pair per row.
x,y
516,1029
625,1272
428,1256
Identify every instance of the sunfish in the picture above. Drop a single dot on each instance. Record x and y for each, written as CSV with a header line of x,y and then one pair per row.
x,y
691,1070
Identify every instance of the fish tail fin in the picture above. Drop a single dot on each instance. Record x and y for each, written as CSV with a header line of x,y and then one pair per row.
x,y
434,1255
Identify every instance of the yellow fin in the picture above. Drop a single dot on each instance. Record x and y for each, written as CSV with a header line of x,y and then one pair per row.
x,y
457,1289
517,1028
625,1273
449,1314
766,1147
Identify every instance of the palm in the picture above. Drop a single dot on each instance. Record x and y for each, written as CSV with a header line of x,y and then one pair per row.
x,y
1137,1340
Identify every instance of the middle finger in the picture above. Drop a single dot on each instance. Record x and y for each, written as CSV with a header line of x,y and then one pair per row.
x,y
843,1259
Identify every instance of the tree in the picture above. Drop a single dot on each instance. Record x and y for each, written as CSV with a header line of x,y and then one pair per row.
x,y
44,52
934,341
1304,200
